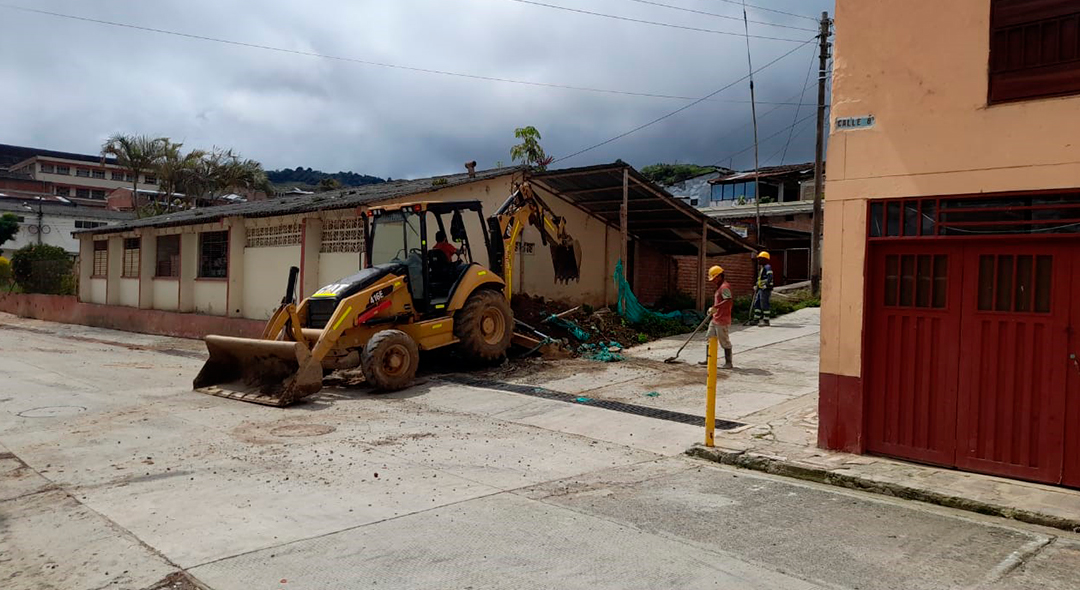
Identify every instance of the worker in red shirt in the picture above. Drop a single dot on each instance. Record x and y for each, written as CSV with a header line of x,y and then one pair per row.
x,y
720,326
443,246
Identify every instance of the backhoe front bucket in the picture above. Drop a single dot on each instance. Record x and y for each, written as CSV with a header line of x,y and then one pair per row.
x,y
567,260
268,372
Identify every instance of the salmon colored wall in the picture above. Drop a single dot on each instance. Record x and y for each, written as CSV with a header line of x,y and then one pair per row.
x,y
922,73
265,274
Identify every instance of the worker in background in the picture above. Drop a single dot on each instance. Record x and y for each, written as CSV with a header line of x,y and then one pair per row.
x,y
764,288
720,326
443,246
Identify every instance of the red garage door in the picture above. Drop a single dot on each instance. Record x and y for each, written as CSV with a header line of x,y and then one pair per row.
x,y
971,354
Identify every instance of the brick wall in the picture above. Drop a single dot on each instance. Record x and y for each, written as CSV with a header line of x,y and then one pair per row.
x,y
738,270
654,274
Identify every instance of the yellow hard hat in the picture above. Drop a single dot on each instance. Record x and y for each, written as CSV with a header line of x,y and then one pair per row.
x,y
715,272
763,254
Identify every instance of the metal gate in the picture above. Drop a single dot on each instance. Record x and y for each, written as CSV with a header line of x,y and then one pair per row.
x,y
971,355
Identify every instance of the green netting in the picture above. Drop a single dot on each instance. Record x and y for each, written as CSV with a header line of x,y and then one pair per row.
x,y
636,313
574,329
601,351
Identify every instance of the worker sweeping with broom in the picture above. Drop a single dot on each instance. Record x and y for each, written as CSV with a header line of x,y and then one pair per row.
x,y
720,326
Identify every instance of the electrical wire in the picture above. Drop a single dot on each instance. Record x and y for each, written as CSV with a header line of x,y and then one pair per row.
x,y
649,22
725,16
679,110
777,134
806,84
766,9
791,135
360,61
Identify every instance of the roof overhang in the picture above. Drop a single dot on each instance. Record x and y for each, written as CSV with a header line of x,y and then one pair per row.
x,y
654,216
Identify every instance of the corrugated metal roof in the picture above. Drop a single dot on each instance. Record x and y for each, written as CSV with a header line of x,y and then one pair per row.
x,y
293,204
30,207
767,172
655,216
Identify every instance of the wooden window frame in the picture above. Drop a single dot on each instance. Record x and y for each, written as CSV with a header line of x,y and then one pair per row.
x,y
132,258
100,260
174,268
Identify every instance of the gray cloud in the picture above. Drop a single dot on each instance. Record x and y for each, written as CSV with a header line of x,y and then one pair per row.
x,y
70,84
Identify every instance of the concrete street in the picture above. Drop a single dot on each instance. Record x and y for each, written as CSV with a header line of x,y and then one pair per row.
x,y
114,474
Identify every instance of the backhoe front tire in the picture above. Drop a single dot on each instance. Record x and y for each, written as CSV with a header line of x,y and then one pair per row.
x,y
389,360
484,326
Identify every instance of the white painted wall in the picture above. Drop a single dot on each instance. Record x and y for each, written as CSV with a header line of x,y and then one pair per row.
x,y
210,295
129,292
55,231
333,266
166,294
265,272
97,290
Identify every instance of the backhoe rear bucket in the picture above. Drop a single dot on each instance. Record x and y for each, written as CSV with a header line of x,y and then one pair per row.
x,y
268,372
567,260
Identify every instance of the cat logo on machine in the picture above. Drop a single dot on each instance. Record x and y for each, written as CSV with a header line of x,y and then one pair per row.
x,y
381,294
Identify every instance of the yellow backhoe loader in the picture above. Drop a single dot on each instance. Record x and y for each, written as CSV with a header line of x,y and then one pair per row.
x,y
415,292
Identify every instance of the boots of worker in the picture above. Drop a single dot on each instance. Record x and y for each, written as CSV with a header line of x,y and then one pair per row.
x,y
727,359
764,322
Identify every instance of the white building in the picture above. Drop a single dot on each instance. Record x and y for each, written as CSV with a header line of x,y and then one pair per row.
x,y
52,222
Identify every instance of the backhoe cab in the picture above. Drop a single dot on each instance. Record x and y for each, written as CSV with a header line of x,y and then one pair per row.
x,y
421,289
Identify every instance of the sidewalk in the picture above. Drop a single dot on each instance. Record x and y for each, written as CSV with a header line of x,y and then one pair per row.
x,y
781,438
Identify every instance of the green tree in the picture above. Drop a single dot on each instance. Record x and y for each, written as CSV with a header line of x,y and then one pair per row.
x,y
669,174
220,171
137,154
529,151
175,171
41,268
9,226
328,184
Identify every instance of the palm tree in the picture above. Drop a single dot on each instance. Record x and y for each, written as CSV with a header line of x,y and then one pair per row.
x,y
137,154
220,171
177,171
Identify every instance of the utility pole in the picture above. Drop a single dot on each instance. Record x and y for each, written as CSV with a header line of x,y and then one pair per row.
x,y
819,157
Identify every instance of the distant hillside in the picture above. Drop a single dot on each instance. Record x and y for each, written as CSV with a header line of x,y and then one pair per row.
x,y
306,177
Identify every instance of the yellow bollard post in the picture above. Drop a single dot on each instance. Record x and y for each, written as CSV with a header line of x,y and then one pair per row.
x,y
710,396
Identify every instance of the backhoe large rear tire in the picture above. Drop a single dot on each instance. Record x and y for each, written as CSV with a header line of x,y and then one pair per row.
x,y
389,360
484,326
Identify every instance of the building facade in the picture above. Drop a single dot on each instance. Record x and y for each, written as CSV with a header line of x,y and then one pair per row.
x,y
951,295
233,260
83,179
52,223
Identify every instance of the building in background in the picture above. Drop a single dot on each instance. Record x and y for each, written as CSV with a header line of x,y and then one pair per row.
x,y
695,191
951,297
84,179
44,221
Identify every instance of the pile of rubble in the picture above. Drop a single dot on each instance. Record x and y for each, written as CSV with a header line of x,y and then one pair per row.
x,y
599,334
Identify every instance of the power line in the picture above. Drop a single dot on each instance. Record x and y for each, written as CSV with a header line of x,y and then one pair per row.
x,y
806,82
790,136
357,60
766,9
677,111
649,22
725,16
746,149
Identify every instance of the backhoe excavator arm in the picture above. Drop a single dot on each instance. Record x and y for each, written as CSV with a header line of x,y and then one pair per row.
x,y
525,206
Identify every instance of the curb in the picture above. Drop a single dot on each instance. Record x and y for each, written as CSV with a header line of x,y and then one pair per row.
x,y
803,471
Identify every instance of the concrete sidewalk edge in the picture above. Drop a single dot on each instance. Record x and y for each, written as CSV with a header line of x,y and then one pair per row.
x,y
797,470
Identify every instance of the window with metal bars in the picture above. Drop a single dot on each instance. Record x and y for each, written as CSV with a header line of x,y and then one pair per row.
x,y
101,258
131,258
214,255
167,261
1034,49
976,216
916,280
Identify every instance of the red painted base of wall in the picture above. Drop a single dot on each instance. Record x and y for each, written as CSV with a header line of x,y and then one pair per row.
x,y
840,413
66,309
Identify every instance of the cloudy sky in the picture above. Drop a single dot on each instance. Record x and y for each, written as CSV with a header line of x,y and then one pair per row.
x,y
70,83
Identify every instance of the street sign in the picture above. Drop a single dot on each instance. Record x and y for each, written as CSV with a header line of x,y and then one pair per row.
x,y
846,123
